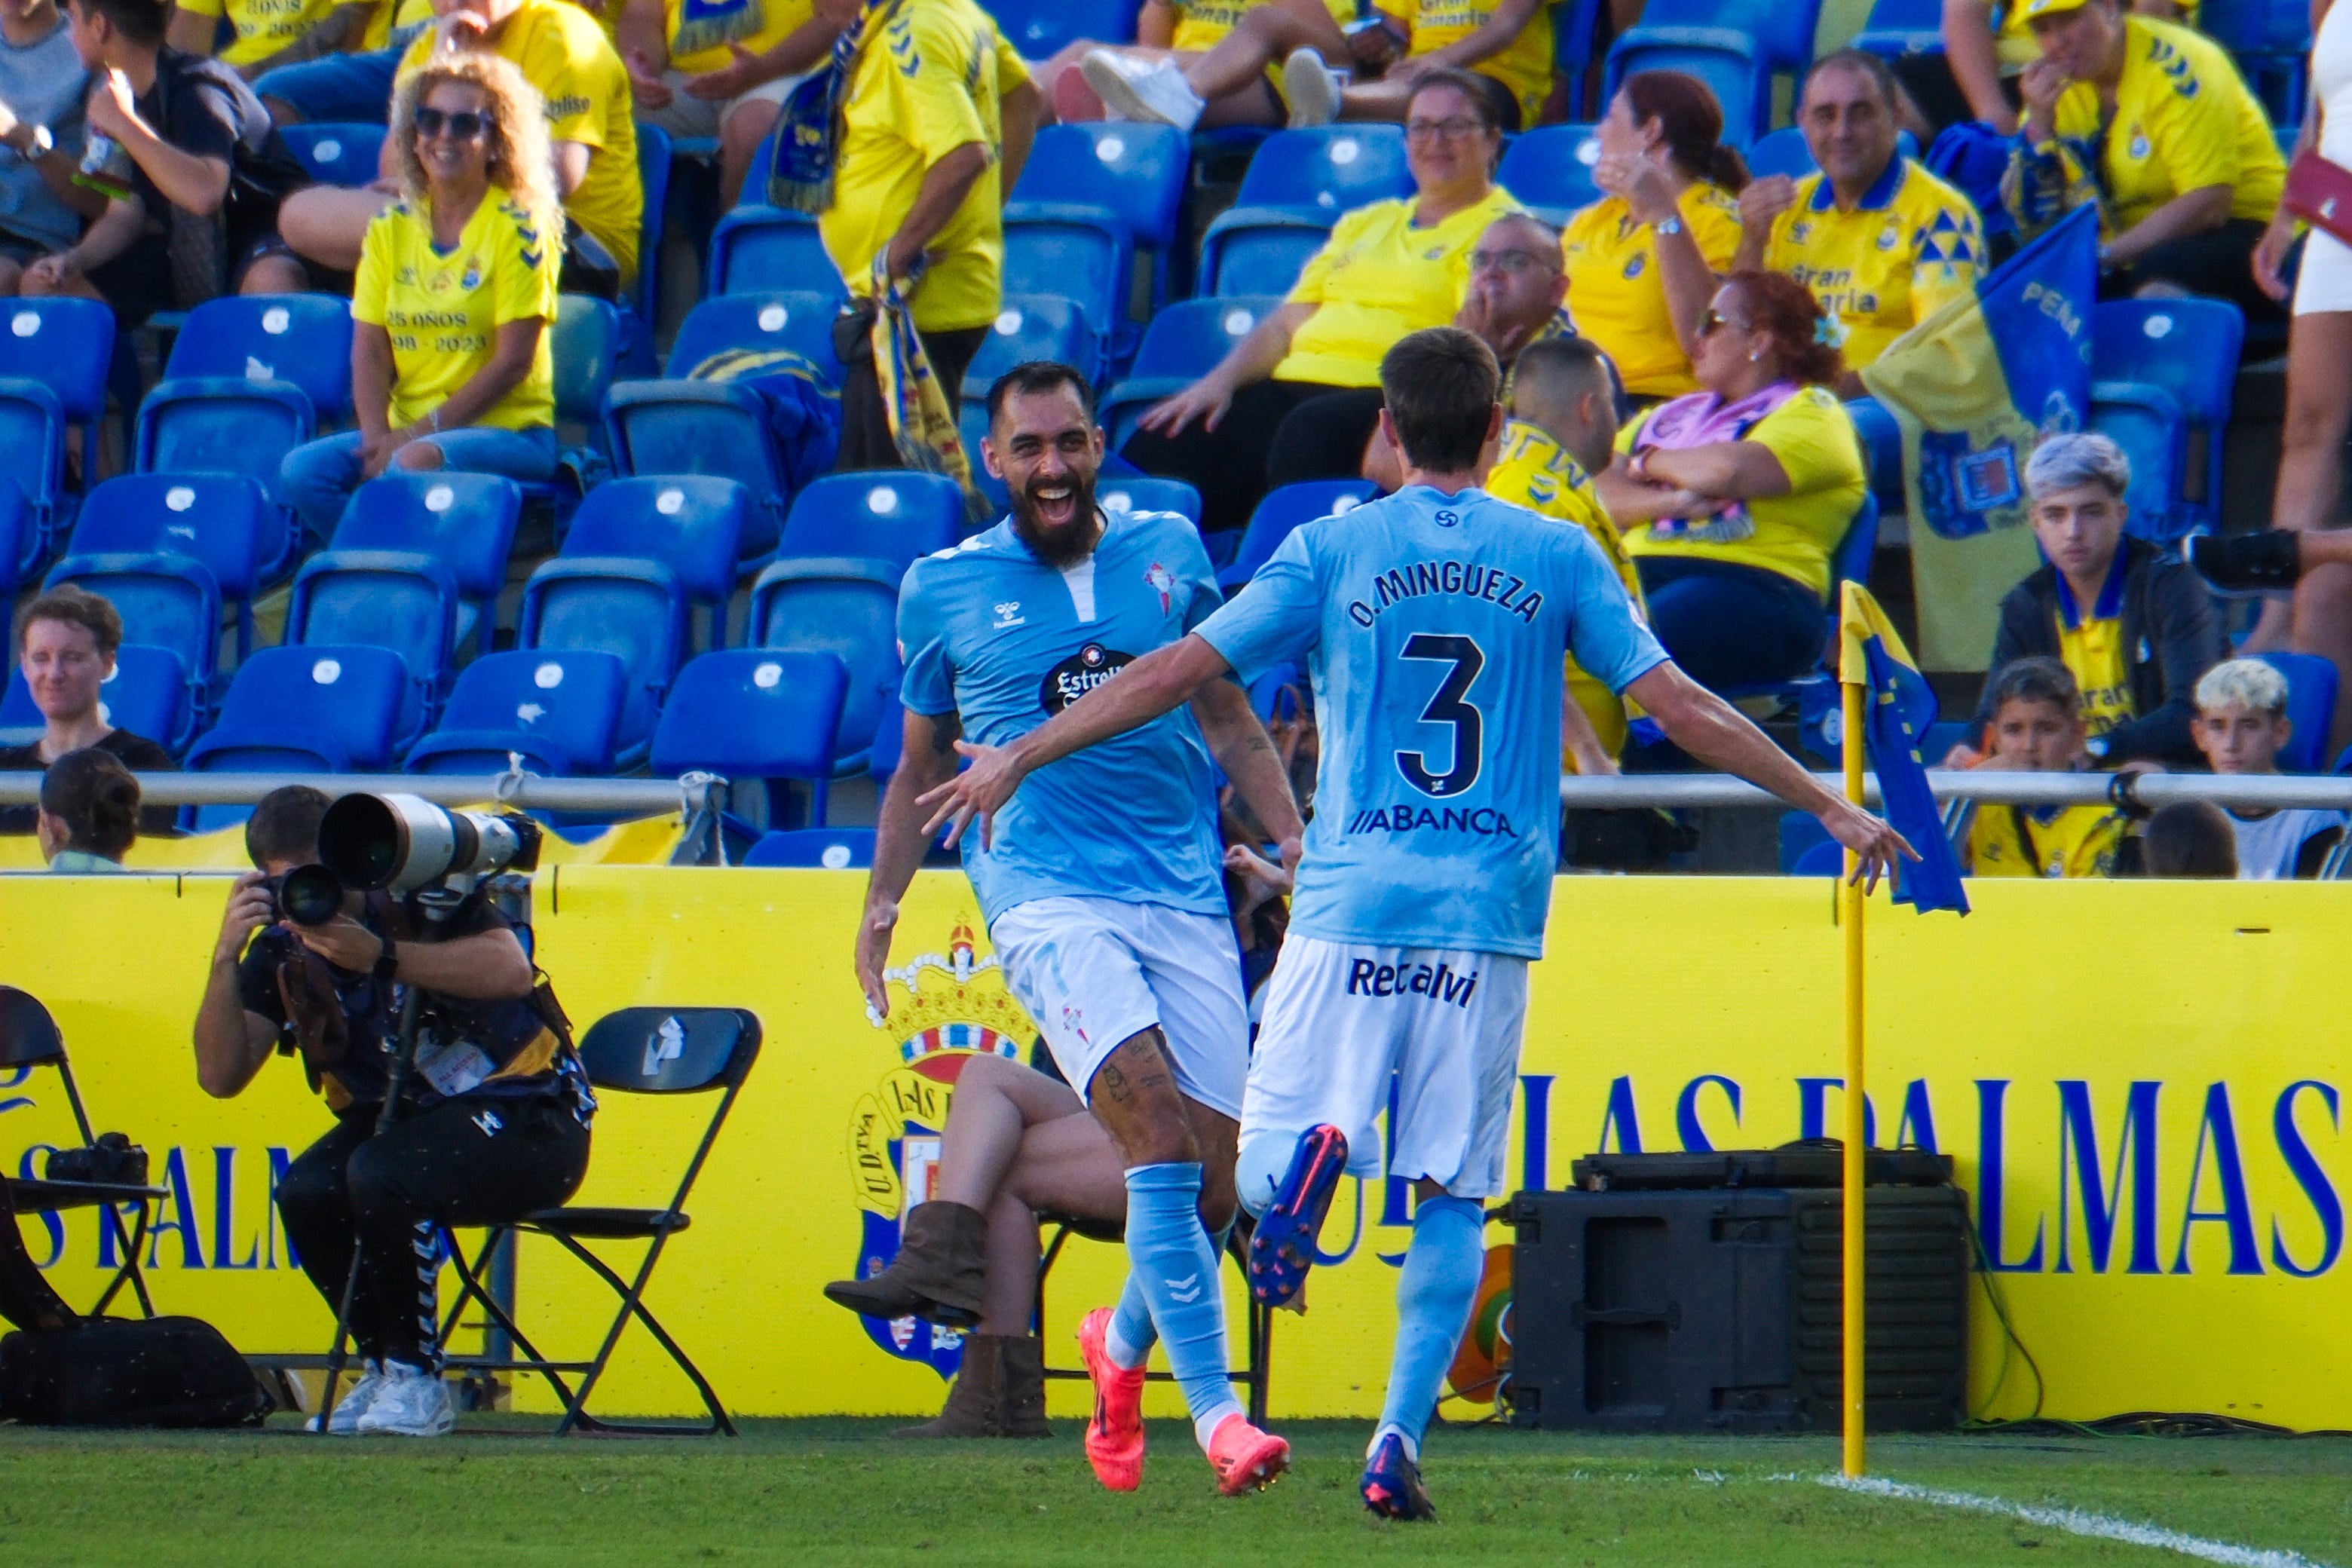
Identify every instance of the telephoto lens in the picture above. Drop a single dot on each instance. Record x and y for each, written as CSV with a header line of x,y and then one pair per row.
x,y
402,843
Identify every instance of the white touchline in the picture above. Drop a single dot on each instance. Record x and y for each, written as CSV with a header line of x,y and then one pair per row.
x,y
2077,1522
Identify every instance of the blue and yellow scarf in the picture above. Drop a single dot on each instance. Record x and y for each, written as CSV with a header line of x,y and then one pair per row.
x,y
808,136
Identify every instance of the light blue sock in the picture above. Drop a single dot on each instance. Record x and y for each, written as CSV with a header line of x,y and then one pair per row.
x,y
1169,1256
1132,1334
1435,1291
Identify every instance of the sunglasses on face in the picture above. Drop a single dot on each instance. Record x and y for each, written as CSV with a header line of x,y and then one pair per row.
x,y
465,125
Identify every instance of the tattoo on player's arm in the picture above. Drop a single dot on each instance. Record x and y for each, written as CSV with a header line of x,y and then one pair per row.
x,y
946,731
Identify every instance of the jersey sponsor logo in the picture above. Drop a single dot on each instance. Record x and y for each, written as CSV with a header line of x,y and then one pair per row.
x,y
566,107
1485,821
1439,982
1079,674
1467,578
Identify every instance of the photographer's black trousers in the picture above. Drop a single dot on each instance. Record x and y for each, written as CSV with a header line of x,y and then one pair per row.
x,y
476,1159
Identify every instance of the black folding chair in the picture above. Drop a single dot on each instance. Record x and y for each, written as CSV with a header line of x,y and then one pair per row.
x,y
1257,1328
637,1050
30,1037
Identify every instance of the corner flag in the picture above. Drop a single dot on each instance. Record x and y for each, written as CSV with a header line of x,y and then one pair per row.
x,y
1900,707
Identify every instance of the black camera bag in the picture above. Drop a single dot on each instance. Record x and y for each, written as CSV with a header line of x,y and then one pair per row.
x,y
129,1371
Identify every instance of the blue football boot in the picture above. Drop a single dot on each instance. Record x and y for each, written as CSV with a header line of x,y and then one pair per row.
x,y
1391,1484
1282,1247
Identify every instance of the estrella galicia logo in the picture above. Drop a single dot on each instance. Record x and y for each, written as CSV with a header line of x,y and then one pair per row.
x,y
1079,674
1448,519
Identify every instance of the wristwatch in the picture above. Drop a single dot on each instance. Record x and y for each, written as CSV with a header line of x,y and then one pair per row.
x,y
387,962
1670,226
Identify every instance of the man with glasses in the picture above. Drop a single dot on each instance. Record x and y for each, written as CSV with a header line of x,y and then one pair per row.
x,y
1879,240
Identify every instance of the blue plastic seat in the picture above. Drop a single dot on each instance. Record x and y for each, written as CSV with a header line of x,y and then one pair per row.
x,y
792,321
2310,685
165,601
148,694
1784,29
1298,184
2188,350
813,848
889,744
1146,493
33,464
631,608
848,607
1549,168
691,524
305,710
1729,60
1183,342
756,248
2147,424
1280,513
559,709
1081,253
20,532
892,515
223,521
712,427
585,349
1784,152
1134,174
402,599
1039,28
336,153
301,340
768,714
466,522
55,359
1034,327
640,312
1898,28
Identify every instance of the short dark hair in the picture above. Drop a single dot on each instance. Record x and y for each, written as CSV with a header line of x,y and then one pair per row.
x,y
1441,384
98,800
2189,838
75,606
2039,679
141,21
285,824
1860,60
1567,366
1469,84
1033,376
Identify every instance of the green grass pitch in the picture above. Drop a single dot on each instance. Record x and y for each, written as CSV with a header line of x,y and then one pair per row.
x,y
844,1492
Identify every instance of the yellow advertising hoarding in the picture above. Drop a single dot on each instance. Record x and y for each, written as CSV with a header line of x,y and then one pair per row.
x,y
2140,1081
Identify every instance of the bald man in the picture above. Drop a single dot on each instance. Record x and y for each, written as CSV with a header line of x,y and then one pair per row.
x,y
1519,285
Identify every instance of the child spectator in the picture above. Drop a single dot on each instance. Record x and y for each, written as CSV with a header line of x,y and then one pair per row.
x,y
2241,724
2189,838
2036,726
89,813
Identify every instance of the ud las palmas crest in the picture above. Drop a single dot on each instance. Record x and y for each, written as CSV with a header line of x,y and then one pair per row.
x,y
950,1008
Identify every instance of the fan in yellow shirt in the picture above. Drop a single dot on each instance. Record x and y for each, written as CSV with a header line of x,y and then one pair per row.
x,y
2036,725
719,68
1201,64
1672,209
266,34
2152,121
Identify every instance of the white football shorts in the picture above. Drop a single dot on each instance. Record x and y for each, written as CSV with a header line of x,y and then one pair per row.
x,y
1094,973
1342,1018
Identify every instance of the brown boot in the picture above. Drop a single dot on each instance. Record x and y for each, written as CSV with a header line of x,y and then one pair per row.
x,y
975,1397
936,1275
1021,1409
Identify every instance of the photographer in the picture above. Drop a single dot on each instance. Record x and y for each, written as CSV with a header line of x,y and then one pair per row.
x,y
493,1121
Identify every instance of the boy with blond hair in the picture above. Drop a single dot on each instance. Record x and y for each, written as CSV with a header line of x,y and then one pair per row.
x,y
2240,726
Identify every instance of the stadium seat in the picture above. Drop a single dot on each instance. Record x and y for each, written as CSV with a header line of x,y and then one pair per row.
x,y
1899,27
2188,348
301,340
1183,342
2146,422
631,608
559,710
756,248
668,1051
20,530
1039,28
784,321
1550,169
2311,684
165,601
1784,29
148,694
1261,250
54,358
1729,60
336,153
639,314
691,524
1145,493
826,848
1298,184
1281,512
1135,173
768,714
891,515
1083,254
1032,327
466,522
224,520
586,351
1882,450
1785,151
402,600
889,744
309,709
846,606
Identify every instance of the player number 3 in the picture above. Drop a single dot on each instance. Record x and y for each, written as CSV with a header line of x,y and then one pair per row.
x,y
1447,706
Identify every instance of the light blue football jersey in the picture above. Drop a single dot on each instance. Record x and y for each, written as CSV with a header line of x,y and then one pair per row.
x,y
1433,629
992,634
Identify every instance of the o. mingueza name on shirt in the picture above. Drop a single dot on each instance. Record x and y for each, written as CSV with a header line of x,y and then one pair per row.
x,y
1467,578
1439,982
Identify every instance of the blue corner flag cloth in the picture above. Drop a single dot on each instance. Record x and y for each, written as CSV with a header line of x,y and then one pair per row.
x,y
1898,706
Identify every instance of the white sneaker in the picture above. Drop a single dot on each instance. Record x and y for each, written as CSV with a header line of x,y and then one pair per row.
x,y
1135,90
411,1403
345,1421
1312,90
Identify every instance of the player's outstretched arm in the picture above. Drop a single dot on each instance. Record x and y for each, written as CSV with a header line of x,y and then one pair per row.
x,y
1247,753
925,759
1137,695
1718,734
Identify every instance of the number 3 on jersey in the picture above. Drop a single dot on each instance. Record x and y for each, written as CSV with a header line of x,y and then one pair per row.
x,y
1448,706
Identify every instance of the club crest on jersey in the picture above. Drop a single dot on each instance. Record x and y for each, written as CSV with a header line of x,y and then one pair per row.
x,y
1079,674
1162,582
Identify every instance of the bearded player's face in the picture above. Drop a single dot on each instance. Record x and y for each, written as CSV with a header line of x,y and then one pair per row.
x,y
1047,452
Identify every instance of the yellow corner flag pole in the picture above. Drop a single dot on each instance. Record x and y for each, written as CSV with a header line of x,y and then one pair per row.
x,y
1851,904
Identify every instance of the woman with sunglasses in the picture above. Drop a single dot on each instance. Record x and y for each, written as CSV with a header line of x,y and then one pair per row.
x,y
1299,397
1734,498
455,292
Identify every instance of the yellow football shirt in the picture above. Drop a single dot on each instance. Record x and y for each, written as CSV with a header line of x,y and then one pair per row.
x,y
2045,841
1613,284
263,27
931,83
2184,120
562,52
2092,648
1524,65
393,16
699,44
1794,534
2013,39
1532,470
1911,243
442,310
1377,278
